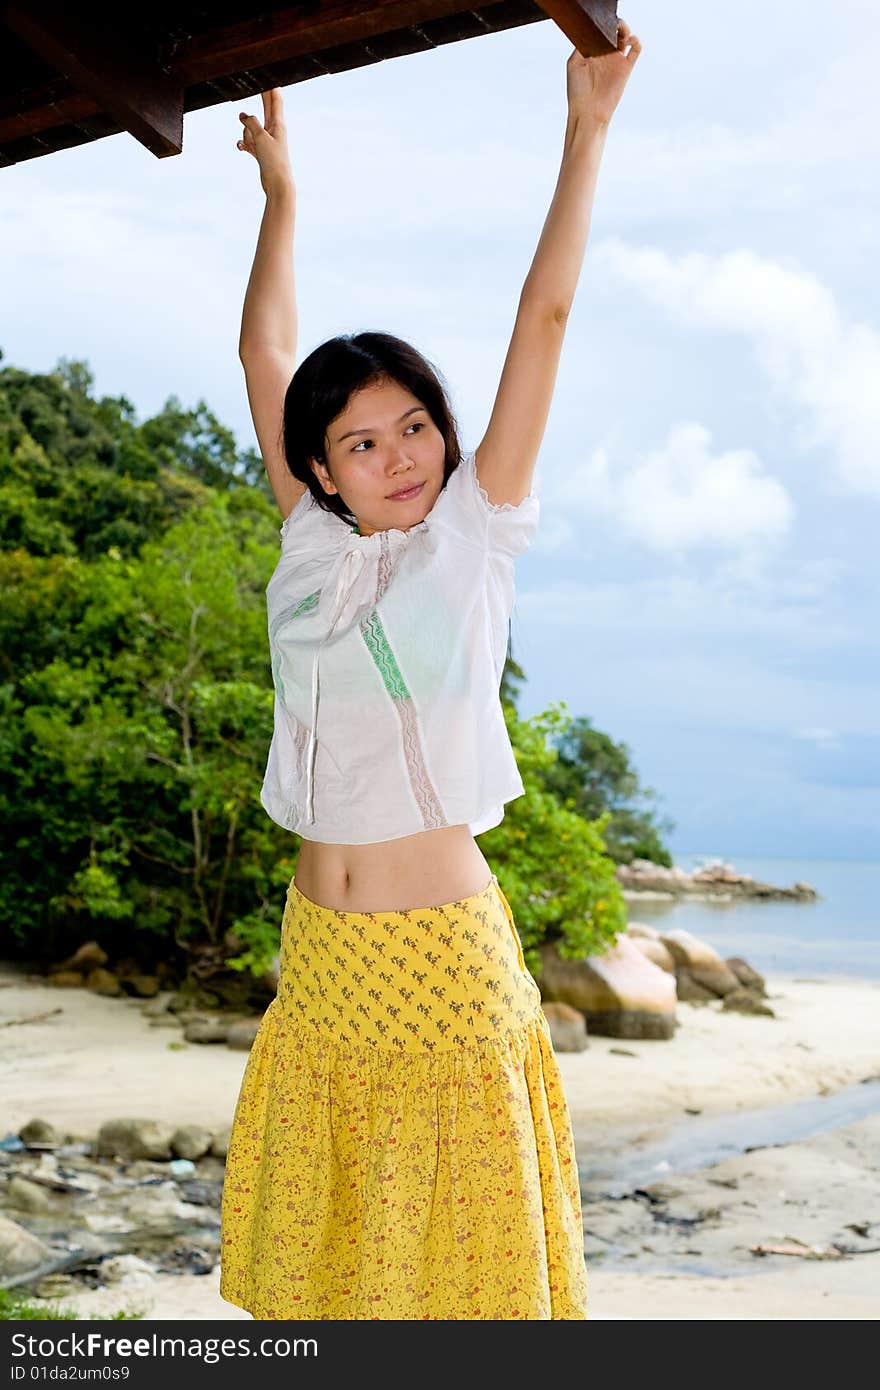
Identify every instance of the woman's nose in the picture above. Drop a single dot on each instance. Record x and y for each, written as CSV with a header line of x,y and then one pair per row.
x,y
400,459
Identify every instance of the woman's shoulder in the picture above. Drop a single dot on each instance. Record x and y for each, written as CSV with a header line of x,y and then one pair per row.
x,y
464,505
309,525
305,504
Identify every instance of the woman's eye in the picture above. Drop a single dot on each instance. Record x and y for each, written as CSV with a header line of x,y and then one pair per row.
x,y
416,425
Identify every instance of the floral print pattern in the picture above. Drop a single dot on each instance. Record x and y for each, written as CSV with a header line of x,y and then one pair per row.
x,y
401,1145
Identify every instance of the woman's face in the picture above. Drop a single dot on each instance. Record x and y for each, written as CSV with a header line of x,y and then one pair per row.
x,y
382,442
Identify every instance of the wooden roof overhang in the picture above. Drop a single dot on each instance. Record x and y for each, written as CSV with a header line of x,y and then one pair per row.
x,y
72,74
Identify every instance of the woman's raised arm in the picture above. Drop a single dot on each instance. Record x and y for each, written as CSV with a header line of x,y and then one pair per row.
x,y
505,460
267,341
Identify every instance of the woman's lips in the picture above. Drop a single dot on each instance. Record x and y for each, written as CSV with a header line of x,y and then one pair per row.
x,y
408,495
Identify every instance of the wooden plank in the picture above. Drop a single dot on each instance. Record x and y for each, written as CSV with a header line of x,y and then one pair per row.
x,y
292,32
430,33
108,68
591,25
41,108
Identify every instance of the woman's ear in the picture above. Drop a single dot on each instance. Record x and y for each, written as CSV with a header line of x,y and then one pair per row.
x,y
322,473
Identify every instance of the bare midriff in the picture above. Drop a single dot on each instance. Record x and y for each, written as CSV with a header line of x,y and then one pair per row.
x,y
427,869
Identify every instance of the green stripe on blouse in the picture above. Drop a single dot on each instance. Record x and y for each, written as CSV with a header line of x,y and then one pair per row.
x,y
374,635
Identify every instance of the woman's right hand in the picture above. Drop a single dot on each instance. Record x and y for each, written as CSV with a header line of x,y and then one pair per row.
x,y
268,142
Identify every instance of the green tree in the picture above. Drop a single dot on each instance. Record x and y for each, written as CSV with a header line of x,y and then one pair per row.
x,y
554,865
134,677
78,476
134,754
595,775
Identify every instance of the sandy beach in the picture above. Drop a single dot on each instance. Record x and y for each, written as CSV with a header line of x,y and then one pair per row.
x,y
679,1251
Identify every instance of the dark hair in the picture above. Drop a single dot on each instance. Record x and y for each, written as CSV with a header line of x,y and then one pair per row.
x,y
323,384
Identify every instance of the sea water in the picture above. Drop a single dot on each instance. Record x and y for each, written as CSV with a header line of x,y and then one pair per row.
x,y
837,934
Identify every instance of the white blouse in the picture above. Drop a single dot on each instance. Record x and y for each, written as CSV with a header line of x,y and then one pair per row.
x,y
387,655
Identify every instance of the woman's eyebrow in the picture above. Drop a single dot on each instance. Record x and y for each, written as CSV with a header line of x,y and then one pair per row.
x,y
372,430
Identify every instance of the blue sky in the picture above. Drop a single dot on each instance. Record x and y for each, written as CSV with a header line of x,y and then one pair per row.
x,y
705,583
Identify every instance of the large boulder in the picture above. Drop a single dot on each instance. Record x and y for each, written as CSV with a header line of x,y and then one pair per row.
x,y
746,1001
240,1035
702,962
85,958
191,1141
40,1134
130,1139
655,951
568,1027
206,1030
101,981
25,1195
141,985
20,1252
690,991
220,1143
621,994
156,1007
746,974
643,929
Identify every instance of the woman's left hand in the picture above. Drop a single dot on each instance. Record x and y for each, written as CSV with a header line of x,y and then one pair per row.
x,y
595,85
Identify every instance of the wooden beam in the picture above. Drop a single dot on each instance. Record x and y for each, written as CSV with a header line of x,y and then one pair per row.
x,y
135,89
591,25
41,109
294,31
108,72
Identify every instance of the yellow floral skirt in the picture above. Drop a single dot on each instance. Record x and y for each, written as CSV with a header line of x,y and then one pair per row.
x,y
401,1145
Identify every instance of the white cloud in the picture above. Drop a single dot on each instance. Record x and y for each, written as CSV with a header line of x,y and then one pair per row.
x,y
816,120
680,497
556,532
826,367
818,737
683,610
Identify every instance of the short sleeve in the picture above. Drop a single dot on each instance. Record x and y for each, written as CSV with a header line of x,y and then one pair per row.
x,y
301,508
311,529
507,527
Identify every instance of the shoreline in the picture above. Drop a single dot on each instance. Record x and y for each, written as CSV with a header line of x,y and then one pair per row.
x,y
100,1059
824,1037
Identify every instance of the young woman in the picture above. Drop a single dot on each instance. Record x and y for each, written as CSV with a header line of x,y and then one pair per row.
x,y
401,1146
